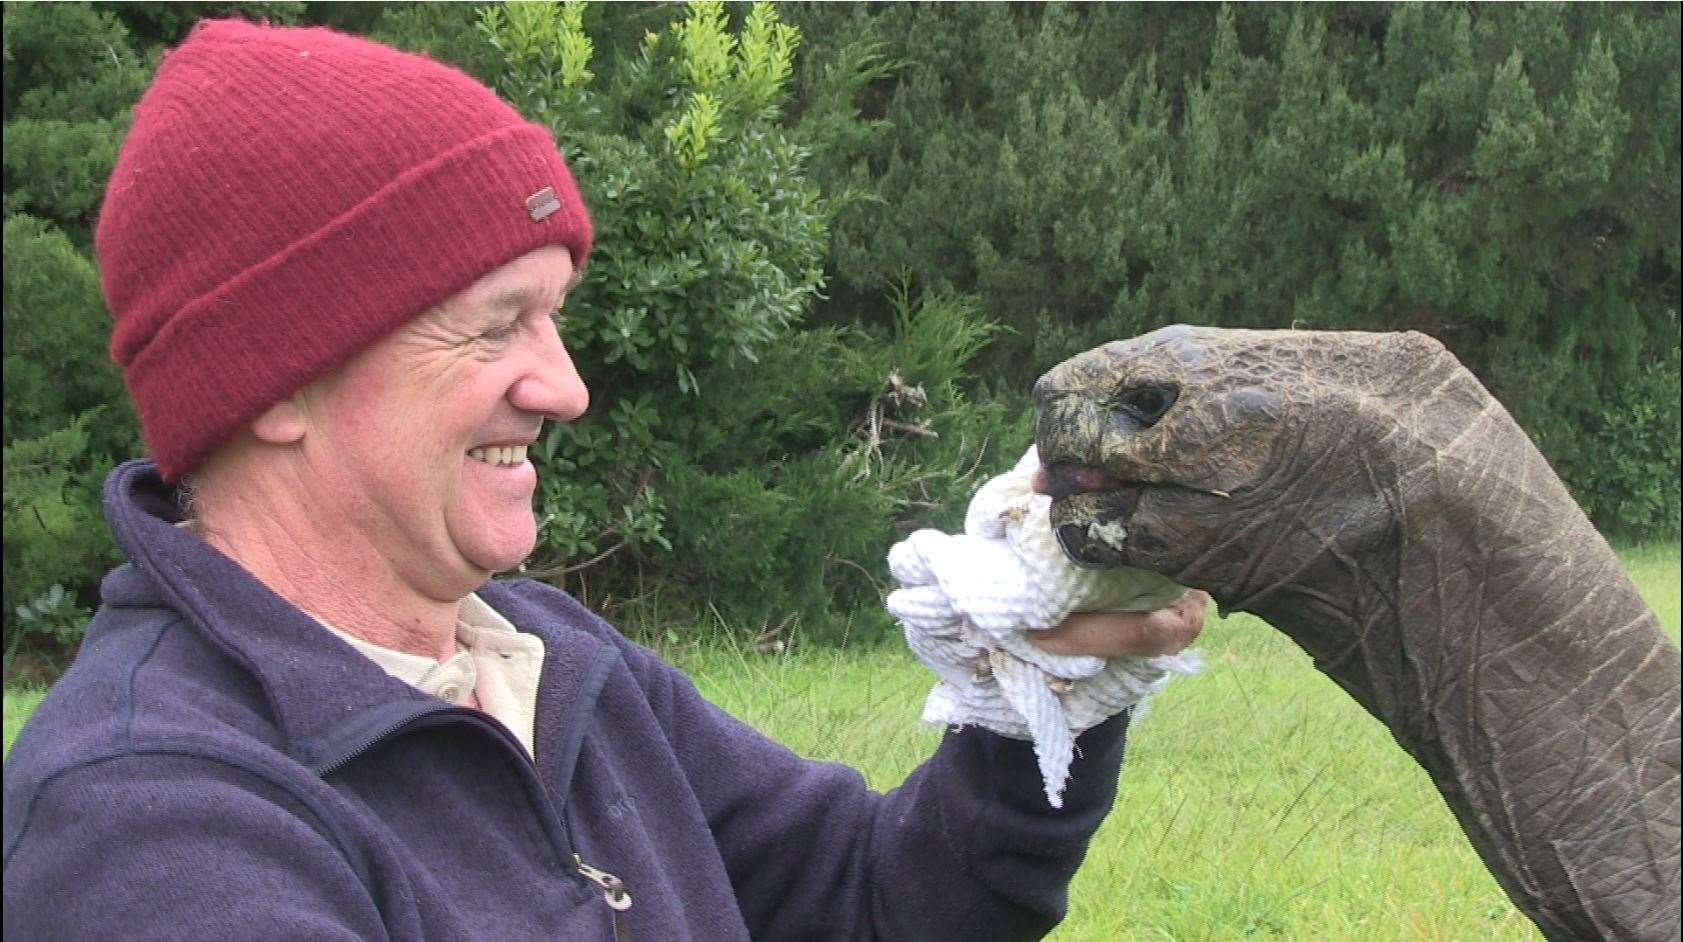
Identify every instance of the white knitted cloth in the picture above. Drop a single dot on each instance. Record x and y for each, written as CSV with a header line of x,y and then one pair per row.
x,y
967,602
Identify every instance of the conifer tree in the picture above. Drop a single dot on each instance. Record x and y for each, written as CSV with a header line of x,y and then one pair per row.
x,y
1503,177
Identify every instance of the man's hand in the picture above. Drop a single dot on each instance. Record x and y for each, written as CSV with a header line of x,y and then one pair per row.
x,y
1128,634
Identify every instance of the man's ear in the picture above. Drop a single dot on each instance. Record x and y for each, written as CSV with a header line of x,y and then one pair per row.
x,y
281,424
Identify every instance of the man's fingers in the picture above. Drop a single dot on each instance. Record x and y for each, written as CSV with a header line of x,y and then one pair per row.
x,y
1099,634
1129,634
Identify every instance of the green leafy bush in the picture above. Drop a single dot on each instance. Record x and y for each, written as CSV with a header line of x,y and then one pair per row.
x,y
808,467
708,240
71,75
67,421
54,536
1633,457
730,458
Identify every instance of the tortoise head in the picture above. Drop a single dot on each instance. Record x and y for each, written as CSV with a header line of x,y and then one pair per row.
x,y
1203,453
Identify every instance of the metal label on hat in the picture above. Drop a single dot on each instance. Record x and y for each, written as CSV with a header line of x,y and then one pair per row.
x,y
542,204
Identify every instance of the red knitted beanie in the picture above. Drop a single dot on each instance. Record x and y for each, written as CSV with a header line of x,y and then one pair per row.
x,y
286,197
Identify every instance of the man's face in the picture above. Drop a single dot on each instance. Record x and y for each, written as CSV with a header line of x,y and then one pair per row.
x,y
420,441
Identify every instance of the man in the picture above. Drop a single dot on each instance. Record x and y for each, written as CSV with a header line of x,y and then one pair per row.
x,y
303,712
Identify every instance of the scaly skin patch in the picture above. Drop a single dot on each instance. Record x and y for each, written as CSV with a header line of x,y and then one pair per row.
x,y
1366,495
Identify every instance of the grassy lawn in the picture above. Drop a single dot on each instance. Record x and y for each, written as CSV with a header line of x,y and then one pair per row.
x,y
1257,800
20,702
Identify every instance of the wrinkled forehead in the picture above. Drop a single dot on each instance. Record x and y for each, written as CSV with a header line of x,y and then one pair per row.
x,y
540,279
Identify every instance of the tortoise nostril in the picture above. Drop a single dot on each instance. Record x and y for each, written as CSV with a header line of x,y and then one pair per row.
x,y
1042,390
1049,387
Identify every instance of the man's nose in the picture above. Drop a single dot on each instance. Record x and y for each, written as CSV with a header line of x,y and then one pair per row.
x,y
552,386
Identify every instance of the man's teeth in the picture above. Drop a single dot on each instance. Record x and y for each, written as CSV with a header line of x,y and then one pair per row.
x,y
503,455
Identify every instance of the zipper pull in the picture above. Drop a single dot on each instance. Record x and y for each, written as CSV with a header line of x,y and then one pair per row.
x,y
613,893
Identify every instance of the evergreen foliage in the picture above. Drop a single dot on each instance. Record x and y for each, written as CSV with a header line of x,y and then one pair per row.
x,y
1505,178
70,76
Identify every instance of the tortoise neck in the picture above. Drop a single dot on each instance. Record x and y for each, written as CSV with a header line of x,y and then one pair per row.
x,y
1508,652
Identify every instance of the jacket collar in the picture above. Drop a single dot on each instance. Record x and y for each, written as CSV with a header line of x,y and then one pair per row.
x,y
320,689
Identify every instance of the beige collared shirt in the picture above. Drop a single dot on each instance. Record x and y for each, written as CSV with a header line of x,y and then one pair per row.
x,y
494,661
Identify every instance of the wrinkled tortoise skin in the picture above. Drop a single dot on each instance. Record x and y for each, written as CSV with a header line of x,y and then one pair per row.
x,y
1364,494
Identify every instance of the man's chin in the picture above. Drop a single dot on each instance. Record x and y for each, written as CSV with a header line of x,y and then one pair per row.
x,y
501,549
498,562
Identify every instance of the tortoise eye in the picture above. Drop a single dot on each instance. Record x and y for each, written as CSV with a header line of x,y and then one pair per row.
x,y
1147,404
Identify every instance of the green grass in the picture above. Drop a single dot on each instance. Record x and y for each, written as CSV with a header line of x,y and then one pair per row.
x,y
20,702
1257,801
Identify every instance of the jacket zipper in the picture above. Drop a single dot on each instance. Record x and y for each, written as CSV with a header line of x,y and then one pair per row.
x,y
613,888
613,893
373,741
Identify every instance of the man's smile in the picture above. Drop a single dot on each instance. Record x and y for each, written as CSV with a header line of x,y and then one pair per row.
x,y
502,456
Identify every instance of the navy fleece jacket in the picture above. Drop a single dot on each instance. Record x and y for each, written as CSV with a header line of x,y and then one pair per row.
x,y
217,765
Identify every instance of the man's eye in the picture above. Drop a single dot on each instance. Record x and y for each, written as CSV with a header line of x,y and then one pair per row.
x,y
504,332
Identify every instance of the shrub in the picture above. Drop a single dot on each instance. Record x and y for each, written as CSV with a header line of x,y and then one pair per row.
x,y
67,421
1632,459
72,73
54,537
801,477
732,458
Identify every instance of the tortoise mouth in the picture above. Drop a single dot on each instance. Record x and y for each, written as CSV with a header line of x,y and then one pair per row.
x,y
1093,528
1064,478
1091,509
